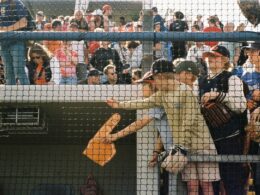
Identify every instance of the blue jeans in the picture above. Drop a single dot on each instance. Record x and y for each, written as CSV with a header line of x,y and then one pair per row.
x,y
68,81
13,56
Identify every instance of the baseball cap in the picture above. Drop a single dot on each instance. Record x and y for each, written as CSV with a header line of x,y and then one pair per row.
x,y
157,23
147,78
217,50
94,72
162,66
188,66
252,45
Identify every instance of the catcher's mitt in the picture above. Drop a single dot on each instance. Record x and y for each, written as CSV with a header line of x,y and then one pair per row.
x,y
216,114
174,160
253,131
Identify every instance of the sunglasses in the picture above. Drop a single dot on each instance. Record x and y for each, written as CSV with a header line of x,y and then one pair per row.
x,y
112,73
36,57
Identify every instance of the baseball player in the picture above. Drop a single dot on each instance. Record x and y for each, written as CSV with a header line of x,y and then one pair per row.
x,y
220,86
189,129
165,139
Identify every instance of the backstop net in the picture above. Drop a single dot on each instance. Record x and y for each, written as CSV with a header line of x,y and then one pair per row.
x,y
129,97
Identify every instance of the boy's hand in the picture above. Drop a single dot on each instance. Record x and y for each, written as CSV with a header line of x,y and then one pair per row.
x,y
112,103
255,116
110,138
209,96
251,104
153,161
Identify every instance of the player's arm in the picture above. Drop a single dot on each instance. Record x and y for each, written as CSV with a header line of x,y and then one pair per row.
x,y
22,23
132,128
157,150
150,102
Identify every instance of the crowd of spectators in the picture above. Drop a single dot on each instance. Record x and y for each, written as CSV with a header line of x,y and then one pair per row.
x,y
69,62
112,63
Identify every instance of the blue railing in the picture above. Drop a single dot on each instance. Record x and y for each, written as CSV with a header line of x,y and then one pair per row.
x,y
143,36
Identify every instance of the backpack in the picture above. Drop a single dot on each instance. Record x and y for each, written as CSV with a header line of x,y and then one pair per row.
x,y
90,187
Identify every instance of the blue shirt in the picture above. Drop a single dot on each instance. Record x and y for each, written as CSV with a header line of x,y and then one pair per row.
x,y
162,126
10,14
252,79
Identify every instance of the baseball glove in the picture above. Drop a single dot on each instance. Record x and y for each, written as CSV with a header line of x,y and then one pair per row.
x,y
174,160
253,131
216,114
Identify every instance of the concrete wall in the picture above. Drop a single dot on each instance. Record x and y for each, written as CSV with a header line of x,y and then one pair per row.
x,y
73,115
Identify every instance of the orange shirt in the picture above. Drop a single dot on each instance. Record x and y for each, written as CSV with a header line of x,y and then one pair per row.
x,y
39,75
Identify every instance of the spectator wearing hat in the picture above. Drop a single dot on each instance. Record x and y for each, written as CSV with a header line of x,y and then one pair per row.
x,y
252,79
187,72
212,21
93,77
157,115
189,131
223,87
107,14
158,18
179,49
40,21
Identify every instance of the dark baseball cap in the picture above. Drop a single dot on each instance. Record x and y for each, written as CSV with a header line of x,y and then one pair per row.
x,y
94,72
162,66
188,66
147,78
252,45
218,51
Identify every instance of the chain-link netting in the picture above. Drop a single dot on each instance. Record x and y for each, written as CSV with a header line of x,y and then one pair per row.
x,y
129,97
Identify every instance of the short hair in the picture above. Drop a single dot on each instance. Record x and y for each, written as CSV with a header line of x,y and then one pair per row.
x,y
155,9
137,72
196,26
179,15
55,23
132,45
107,67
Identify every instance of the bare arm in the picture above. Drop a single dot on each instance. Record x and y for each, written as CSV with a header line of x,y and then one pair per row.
x,y
132,128
22,23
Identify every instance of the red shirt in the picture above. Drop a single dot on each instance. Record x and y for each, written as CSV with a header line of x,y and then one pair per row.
x,y
212,29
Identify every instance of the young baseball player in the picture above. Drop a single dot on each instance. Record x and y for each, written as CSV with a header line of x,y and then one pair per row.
x,y
165,139
189,129
221,87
